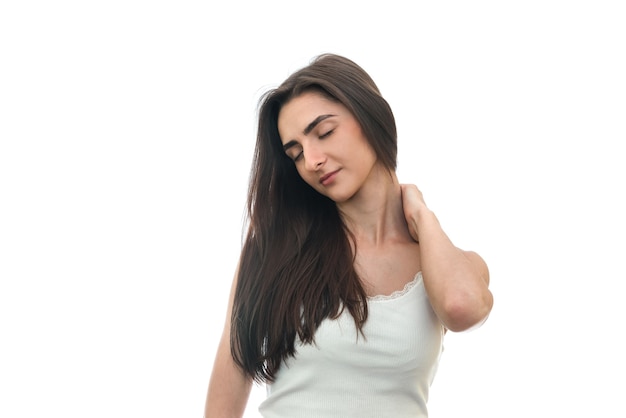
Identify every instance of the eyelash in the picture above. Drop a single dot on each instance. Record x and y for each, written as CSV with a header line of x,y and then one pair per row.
x,y
323,136
326,135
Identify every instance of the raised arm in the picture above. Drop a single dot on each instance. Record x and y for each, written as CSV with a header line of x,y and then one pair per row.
x,y
229,389
456,281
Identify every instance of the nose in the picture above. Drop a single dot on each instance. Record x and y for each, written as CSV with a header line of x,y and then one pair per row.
x,y
314,157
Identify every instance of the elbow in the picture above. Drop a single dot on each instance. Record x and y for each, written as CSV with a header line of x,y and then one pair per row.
x,y
466,312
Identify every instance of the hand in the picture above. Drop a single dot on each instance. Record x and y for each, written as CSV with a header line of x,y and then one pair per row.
x,y
412,204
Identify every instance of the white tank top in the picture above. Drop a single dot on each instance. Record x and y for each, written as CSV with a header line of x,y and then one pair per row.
x,y
386,374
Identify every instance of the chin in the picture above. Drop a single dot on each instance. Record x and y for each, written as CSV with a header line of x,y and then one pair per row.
x,y
336,194
339,197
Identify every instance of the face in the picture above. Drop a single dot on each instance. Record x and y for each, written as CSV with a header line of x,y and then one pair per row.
x,y
326,144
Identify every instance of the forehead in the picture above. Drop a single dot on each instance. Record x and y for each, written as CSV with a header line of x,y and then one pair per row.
x,y
301,110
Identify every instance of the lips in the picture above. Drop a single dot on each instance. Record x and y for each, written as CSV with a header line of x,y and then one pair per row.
x,y
327,178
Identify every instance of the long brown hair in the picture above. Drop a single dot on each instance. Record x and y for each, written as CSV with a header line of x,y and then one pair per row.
x,y
296,266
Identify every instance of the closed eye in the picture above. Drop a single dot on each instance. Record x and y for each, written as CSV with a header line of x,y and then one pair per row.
x,y
291,149
326,135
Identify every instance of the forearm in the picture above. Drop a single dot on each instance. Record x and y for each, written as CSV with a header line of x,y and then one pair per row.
x,y
456,281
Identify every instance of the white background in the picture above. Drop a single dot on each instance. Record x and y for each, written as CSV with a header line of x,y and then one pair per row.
x,y
126,130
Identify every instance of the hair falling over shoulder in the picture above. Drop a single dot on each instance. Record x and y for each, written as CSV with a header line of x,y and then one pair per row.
x,y
296,267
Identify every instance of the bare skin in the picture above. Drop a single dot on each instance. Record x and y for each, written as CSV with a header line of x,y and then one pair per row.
x,y
396,234
456,281
399,236
387,219
229,389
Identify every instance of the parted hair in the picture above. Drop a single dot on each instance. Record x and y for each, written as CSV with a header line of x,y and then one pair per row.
x,y
297,262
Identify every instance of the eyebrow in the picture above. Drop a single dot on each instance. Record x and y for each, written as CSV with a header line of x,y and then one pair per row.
x,y
315,122
308,129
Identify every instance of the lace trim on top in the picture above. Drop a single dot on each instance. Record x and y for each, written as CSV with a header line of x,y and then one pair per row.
x,y
398,293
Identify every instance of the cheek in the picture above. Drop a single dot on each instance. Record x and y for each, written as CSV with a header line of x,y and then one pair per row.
x,y
365,154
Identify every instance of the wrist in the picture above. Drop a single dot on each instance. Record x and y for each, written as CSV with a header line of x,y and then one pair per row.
x,y
426,220
422,215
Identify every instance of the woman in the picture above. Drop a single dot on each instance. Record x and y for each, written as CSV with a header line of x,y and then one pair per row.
x,y
346,283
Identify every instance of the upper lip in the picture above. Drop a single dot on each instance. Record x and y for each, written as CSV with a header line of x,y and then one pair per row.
x,y
326,176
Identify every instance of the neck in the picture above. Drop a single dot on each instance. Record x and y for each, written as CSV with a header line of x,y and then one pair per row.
x,y
374,215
